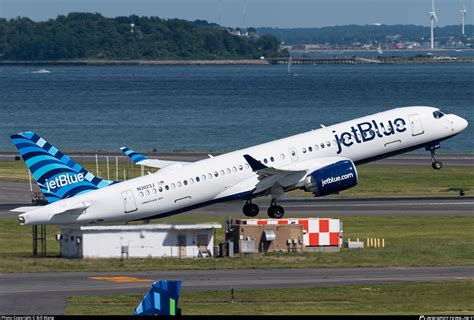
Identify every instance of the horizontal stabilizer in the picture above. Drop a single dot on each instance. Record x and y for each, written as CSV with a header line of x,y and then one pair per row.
x,y
74,209
24,209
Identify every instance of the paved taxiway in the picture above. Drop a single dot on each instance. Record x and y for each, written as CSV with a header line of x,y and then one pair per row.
x,y
44,293
416,159
318,207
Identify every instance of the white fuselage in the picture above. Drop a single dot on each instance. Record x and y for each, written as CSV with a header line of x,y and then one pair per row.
x,y
228,176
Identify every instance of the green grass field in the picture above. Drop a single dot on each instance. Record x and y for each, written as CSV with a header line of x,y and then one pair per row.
x,y
449,298
374,181
409,241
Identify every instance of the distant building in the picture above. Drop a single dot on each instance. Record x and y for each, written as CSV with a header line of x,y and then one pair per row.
x,y
139,241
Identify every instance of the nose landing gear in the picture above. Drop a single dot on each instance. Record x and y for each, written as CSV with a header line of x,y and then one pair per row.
x,y
435,164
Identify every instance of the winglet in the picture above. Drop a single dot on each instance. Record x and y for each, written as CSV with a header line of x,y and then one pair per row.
x,y
254,164
135,156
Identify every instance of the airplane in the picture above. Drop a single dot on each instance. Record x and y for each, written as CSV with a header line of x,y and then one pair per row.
x,y
321,161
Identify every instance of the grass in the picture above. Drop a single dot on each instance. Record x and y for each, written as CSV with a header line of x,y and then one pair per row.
x,y
406,298
17,170
409,241
396,181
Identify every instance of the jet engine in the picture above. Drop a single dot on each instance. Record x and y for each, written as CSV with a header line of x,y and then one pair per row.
x,y
335,177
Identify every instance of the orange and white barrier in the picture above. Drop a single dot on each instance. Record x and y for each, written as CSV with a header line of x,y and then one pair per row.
x,y
316,231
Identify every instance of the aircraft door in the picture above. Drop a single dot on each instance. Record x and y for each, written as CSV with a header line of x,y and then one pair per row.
x,y
129,201
416,125
293,154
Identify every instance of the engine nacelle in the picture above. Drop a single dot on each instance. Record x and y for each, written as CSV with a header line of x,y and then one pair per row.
x,y
338,176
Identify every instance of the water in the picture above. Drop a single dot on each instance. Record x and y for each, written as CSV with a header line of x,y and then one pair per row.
x,y
216,108
373,54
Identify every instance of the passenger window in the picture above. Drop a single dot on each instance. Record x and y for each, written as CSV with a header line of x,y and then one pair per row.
x,y
316,147
272,159
328,144
304,150
228,170
322,145
222,172
216,174
179,184
160,189
240,167
246,166
282,156
191,180
310,149
210,175
234,169
166,187
197,179
173,186
141,193
147,192
154,191
204,177
265,160
185,182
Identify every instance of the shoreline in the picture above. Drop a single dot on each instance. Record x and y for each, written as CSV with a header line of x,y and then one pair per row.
x,y
262,62
96,62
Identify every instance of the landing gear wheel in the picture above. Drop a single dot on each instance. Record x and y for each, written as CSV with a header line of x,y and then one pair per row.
x,y
437,165
250,209
276,212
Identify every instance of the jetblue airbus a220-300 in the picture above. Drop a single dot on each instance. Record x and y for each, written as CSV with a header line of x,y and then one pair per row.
x,y
321,161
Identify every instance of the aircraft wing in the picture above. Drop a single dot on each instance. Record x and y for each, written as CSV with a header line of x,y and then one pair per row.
x,y
140,159
271,178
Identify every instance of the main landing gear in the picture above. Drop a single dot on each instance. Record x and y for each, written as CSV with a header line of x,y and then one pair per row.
x,y
250,209
274,211
435,164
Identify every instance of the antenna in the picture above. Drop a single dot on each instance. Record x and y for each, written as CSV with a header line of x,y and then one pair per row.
x,y
463,14
433,17
219,12
244,9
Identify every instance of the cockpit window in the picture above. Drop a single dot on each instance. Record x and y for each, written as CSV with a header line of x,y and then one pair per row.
x,y
438,114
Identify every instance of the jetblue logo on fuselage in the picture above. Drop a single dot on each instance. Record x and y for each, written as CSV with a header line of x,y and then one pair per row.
x,y
367,131
63,180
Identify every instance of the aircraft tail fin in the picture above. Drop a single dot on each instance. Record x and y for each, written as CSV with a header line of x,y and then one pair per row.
x,y
161,299
57,175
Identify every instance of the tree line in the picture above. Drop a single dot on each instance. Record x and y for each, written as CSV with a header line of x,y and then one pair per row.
x,y
92,36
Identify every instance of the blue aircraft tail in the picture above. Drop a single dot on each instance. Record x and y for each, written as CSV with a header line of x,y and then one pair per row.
x,y
57,175
161,299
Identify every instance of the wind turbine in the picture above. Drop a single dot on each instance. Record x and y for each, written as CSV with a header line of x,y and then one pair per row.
x,y
463,14
432,18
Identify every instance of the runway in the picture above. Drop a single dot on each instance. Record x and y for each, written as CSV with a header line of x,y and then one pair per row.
x,y
316,207
416,159
45,293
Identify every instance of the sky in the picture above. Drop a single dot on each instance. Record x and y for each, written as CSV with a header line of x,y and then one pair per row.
x,y
258,13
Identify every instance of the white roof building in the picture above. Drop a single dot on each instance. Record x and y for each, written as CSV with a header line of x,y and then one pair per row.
x,y
138,241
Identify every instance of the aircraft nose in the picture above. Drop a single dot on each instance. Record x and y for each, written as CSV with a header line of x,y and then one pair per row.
x,y
461,123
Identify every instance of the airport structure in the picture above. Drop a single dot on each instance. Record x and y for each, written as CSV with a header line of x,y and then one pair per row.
x,y
286,235
138,241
